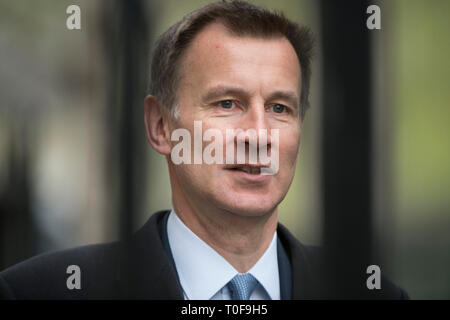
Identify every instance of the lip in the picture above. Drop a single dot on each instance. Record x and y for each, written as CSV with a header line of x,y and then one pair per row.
x,y
248,176
232,166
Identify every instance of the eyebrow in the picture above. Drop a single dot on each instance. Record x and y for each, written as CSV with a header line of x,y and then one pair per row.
x,y
288,96
222,90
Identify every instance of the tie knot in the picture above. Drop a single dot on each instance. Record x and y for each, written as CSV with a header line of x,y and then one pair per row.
x,y
242,286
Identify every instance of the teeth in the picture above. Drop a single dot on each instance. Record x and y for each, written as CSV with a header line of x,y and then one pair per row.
x,y
250,170
255,171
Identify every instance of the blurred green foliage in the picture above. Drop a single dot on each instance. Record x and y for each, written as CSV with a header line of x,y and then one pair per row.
x,y
421,145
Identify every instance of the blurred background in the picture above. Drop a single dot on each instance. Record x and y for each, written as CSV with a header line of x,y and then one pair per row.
x,y
76,169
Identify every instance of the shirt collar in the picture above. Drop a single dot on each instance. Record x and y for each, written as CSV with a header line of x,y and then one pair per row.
x,y
266,270
203,272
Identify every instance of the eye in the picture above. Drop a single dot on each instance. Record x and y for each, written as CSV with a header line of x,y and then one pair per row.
x,y
278,108
226,104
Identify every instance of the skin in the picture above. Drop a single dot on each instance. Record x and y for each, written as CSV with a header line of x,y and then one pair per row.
x,y
236,216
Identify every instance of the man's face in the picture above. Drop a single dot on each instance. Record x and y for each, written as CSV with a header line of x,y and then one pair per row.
x,y
230,82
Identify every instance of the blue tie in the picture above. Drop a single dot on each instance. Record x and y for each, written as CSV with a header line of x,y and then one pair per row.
x,y
242,286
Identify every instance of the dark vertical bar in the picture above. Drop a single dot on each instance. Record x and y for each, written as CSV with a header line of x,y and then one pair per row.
x,y
129,43
346,182
126,32
18,232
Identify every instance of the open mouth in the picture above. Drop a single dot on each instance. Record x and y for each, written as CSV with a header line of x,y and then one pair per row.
x,y
247,169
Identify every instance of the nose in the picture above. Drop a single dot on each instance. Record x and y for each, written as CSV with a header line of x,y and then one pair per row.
x,y
255,117
258,135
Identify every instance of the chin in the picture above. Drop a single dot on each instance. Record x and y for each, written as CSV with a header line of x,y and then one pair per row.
x,y
250,206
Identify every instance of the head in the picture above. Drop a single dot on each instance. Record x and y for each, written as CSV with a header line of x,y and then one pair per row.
x,y
230,65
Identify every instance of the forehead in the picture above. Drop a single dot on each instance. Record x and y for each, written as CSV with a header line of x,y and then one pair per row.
x,y
216,54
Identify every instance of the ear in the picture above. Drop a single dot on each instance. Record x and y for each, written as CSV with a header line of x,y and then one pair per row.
x,y
156,125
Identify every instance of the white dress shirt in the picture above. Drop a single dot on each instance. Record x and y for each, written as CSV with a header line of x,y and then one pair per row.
x,y
204,273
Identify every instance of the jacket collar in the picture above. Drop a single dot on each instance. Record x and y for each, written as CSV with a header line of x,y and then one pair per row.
x,y
150,272
148,269
303,267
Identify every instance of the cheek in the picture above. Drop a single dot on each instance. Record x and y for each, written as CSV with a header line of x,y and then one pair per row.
x,y
289,145
190,177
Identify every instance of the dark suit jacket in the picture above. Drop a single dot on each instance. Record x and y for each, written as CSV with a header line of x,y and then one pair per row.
x,y
142,268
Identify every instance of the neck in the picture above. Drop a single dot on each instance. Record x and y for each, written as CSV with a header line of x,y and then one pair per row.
x,y
241,240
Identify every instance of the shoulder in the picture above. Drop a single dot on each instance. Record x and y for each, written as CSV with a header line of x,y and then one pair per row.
x,y
308,268
104,270
45,276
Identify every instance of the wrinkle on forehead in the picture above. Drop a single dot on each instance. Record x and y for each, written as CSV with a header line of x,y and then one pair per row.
x,y
215,50
215,39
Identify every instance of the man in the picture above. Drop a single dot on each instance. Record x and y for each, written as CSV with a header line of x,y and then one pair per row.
x,y
227,66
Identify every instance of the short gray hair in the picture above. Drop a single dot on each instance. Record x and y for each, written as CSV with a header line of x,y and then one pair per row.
x,y
241,19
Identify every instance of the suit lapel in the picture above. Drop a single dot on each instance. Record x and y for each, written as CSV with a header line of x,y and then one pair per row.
x,y
149,269
300,263
285,273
